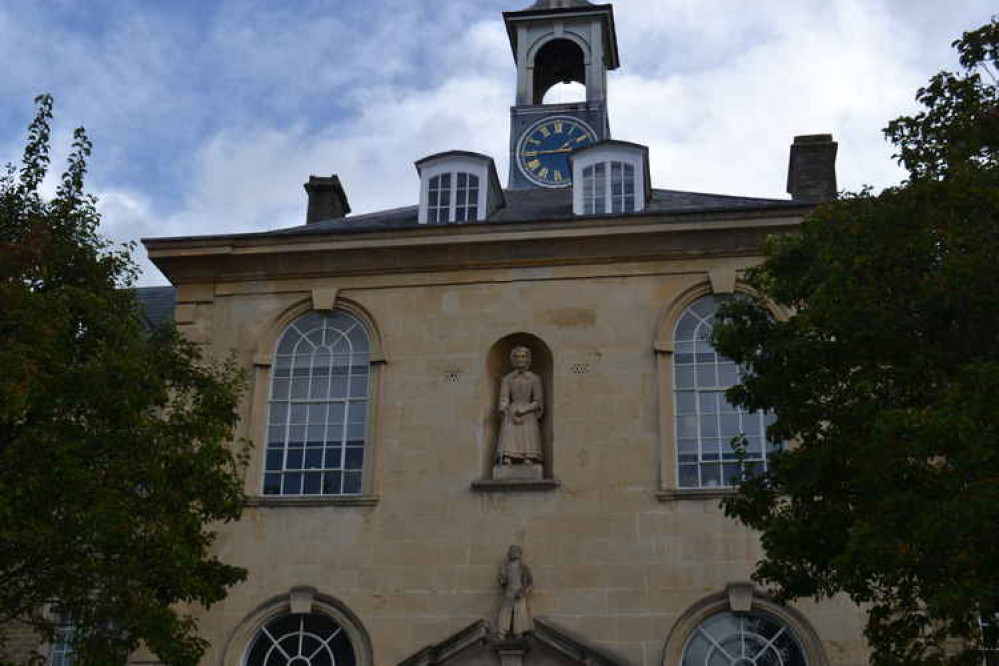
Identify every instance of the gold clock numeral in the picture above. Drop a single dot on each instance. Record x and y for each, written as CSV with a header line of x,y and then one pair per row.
x,y
558,176
543,173
545,132
534,141
533,164
582,138
558,126
529,153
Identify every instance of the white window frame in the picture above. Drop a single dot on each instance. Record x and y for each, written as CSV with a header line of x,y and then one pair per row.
x,y
454,166
707,633
691,385
608,155
313,644
451,192
285,427
599,196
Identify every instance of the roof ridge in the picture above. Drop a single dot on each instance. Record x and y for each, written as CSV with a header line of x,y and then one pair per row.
x,y
720,196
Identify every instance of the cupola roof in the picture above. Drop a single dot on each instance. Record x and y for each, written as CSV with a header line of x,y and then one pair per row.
x,y
545,10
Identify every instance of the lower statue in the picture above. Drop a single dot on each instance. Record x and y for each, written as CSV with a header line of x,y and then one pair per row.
x,y
521,404
514,617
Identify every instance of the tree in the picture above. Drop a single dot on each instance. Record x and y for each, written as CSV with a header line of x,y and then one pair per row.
x,y
885,380
114,459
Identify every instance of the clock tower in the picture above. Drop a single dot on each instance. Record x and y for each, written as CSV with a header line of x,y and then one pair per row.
x,y
558,41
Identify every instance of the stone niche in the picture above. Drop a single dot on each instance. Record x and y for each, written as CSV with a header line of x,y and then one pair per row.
x,y
498,365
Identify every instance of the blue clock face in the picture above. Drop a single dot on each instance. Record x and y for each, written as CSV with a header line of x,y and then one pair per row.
x,y
544,149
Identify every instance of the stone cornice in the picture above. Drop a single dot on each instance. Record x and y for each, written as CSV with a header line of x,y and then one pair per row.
x,y
442,248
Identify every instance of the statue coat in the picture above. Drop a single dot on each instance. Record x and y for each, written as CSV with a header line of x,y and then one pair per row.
x,y
514,617
520,434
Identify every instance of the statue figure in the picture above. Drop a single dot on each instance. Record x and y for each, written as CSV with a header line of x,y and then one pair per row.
x,y
521,403
514,617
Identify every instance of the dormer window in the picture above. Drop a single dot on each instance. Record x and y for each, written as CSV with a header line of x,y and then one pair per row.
x,y
610,177
439,201
453,197
609,187
457,187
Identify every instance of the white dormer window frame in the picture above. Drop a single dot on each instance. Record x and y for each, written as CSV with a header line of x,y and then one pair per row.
x,y
454,190
453,197
608,180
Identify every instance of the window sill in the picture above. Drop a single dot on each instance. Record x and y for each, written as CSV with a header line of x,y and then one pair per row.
x,y
514,485
694,493
275,501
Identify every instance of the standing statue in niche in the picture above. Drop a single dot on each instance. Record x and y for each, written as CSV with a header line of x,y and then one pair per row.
x,y
514,617
521,404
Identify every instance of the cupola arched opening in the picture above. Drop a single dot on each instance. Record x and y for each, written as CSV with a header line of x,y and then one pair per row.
x,y
497,365
558,61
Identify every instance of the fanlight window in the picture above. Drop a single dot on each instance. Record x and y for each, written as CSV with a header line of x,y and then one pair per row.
x,y
453,197
609,187
301,640
318,407
706,422
746,639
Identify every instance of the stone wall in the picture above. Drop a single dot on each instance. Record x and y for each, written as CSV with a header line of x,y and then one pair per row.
x,y
612,562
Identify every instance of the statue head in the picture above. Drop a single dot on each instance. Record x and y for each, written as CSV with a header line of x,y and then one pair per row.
x,y
515,553
520,357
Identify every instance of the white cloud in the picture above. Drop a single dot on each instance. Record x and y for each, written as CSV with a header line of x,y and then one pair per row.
x,y
726,128
717,90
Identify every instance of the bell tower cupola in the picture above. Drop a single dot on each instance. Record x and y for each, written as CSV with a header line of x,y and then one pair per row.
x,y
553,42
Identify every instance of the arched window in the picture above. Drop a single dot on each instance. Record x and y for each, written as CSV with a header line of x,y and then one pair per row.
x,y
307,639
453,197
743,639
706,422
317,424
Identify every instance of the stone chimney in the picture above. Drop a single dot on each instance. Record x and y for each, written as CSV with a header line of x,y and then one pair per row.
x,y
811,172
327,200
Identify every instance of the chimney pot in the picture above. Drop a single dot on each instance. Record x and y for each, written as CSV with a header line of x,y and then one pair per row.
x,y
327,200
811,171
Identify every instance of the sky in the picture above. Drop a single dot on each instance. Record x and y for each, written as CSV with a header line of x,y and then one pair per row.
x,y
207,116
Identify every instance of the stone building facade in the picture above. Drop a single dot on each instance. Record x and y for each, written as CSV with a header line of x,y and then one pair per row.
x,y
381,510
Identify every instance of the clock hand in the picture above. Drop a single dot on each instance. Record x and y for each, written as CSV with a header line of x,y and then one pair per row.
x,y
532,153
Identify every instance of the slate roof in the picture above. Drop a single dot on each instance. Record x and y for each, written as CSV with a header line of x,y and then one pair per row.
x,y
157,304
559,4
532,205
522,207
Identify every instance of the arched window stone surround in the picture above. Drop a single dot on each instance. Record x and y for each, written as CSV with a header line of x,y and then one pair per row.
x,y
742,597
321,299
722,280
297,600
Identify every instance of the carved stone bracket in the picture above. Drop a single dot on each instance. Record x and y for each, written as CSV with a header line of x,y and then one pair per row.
x,y
301,599
740,596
